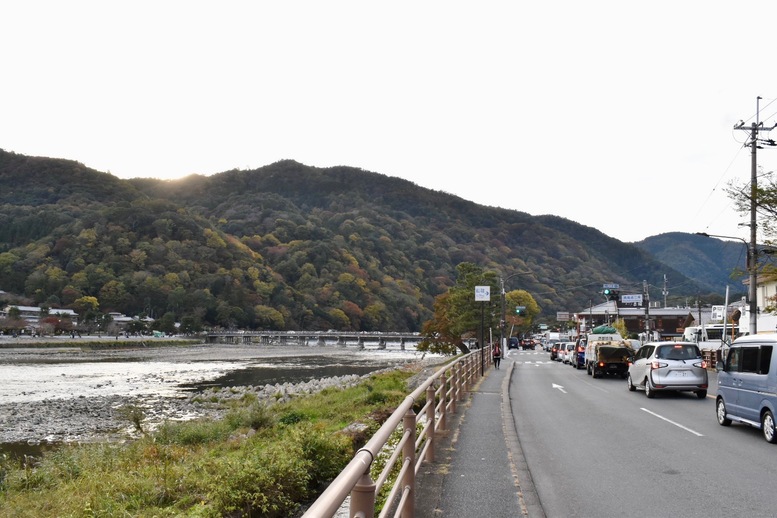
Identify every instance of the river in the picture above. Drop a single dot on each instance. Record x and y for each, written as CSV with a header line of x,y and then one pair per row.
x,y
68,394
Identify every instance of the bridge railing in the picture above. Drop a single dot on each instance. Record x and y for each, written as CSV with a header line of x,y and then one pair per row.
x,y
441,392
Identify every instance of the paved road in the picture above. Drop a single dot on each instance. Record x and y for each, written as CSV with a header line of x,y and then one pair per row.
x,y
539,438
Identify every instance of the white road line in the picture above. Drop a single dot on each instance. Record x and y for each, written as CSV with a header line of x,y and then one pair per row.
x,y
672,422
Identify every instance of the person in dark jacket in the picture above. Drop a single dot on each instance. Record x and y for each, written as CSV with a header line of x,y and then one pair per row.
x,y
497,355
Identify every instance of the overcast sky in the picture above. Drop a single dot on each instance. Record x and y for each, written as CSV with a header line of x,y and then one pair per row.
x,y
617,115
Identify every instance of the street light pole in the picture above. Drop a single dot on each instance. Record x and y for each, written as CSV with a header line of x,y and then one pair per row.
x,y
752,269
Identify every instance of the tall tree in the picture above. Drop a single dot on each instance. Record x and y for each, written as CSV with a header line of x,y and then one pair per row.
x,y
457,314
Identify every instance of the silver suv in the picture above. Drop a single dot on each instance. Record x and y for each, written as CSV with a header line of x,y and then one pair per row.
x,y
668,366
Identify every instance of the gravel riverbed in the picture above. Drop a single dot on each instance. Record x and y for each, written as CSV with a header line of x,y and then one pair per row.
x,y
72,394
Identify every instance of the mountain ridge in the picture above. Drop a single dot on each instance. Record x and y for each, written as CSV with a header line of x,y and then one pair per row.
x,y
291,246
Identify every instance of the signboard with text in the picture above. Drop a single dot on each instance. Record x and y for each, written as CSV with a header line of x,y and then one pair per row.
x,y
635,299
482,293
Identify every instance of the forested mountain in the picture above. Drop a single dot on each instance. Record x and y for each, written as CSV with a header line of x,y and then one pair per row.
x,y
287,246
712,263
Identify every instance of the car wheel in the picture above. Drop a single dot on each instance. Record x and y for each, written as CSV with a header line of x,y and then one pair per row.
x,y
720,412
632,388
701,394
768,427
593,372
649,392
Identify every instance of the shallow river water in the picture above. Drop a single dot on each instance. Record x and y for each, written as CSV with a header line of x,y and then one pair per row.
x,y
60,394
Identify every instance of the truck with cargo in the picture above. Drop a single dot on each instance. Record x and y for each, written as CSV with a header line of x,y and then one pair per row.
x,y
607,353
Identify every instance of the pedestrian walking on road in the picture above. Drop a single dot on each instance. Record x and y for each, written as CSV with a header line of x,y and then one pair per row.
x,y
497,355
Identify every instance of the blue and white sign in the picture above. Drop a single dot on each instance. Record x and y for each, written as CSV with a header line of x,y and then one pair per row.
x,y
632,299
482,293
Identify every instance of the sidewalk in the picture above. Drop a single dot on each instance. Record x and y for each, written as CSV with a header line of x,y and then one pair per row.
x,y
479,468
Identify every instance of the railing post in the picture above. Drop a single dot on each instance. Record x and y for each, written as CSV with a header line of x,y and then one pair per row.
x,y
468,373
444,400
408,451
430,434
453,389
363,498
460,381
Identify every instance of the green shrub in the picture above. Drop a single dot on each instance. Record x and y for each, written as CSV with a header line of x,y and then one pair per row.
x,y
326,453
291,417
256,416
192,432
267,482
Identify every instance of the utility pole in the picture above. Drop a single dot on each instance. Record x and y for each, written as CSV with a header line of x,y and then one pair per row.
x,y
647,311
752,263
665,292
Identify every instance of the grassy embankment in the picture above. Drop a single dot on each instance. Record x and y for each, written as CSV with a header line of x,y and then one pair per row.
x,y
258,461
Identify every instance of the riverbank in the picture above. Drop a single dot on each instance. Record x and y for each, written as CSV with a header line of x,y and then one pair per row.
x,y
69,394
258,460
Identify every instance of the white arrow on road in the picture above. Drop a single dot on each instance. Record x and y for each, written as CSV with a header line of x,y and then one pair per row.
x,y
559,387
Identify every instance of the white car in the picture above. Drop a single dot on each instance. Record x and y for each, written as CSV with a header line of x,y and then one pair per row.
x,y
565,353
675,366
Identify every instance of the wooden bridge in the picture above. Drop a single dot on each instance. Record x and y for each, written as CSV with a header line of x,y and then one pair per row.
x,y
317,338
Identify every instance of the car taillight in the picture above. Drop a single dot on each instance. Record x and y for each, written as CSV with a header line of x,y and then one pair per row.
x,y
702,364
655,364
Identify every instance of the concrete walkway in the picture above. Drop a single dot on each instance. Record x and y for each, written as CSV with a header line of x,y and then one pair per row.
x,y
479,468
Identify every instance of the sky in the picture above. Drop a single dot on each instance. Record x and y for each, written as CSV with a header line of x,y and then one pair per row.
x,y
617,115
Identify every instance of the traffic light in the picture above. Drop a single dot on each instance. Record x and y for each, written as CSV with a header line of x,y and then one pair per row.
x,y
520,311
610,294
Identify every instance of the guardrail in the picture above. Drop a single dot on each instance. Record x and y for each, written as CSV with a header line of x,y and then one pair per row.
x,y
441,393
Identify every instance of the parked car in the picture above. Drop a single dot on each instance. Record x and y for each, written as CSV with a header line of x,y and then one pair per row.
x,y
554,350
567,348
747,384
676,366
577,356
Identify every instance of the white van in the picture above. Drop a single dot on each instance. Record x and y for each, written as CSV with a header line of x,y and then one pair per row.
x,y
747,384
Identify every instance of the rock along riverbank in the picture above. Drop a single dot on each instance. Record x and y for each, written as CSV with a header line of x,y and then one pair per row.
x,y
100,412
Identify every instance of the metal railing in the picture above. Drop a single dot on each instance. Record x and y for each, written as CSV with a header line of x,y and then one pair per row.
x,y
441,392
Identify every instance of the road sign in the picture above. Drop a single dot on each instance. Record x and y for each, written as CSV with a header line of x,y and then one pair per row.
x,y
610,286
632,299
562,316
482,293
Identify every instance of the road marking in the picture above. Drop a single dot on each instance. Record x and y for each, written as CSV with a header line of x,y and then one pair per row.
x,y
674,423
559,387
